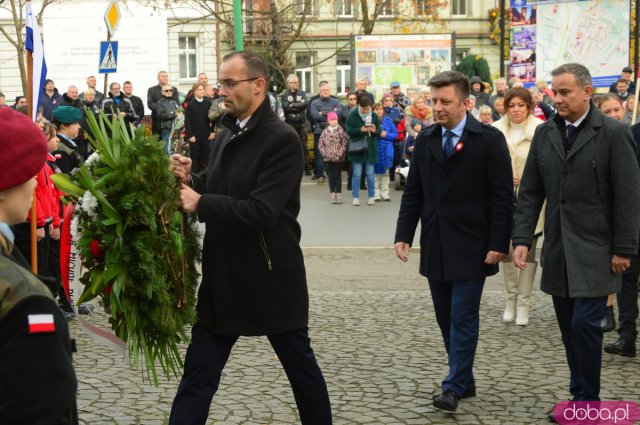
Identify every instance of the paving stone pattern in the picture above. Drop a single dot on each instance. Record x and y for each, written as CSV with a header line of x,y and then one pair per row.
x,y
374,332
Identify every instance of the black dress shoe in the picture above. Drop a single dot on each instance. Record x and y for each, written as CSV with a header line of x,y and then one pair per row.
x,y
469,392
307,172
446,401
609,320
622,348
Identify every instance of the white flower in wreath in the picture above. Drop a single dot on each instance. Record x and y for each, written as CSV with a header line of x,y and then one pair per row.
x,y
89,203
74,227
93,158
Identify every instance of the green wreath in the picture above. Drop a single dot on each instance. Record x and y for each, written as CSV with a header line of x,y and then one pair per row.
x,y
139,251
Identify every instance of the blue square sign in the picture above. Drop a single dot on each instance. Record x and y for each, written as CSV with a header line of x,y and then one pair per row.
x,y
108,57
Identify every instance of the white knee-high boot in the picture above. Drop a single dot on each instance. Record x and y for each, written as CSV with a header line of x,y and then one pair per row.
x,y
510,274
525,288
378,187
384,190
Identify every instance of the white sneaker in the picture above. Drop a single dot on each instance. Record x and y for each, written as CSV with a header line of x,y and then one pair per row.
x,y
356,202
371,201
338,198
333,198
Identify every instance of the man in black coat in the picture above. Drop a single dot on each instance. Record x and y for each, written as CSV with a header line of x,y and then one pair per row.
x,y
627,298
460,186
253,275
136,102
294,105
154,94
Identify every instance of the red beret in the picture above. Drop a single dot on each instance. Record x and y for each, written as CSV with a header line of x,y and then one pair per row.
x,y
23,148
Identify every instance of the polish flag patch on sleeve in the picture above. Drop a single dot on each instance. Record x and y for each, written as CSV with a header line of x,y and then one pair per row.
x,y
41,323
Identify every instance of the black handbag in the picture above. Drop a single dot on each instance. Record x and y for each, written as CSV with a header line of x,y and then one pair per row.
x,y
358,146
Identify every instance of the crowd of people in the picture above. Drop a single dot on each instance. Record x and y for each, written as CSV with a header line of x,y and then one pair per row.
x,y
490,172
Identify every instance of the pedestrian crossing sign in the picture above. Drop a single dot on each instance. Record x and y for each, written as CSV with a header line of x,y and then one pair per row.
x,y
108,57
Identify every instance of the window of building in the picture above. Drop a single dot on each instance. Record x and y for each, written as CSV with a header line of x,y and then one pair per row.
x,y
305,7
304,71
343,73
187,57
461,54
424,7
387,9
345,8
248,16
459,7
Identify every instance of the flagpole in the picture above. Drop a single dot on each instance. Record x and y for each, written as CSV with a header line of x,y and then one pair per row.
x,y
34,237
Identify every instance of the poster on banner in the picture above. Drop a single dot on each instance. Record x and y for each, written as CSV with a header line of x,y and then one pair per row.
x,y
410,59
592,33
522,57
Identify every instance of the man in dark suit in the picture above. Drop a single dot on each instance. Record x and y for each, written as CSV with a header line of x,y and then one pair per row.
x,y
460,186
263,291
584,164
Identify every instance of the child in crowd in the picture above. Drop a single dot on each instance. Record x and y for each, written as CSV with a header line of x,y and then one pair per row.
x,y
386,140
333,147
416,125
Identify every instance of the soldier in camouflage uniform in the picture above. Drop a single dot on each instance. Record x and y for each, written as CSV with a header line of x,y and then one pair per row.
x,y
37,381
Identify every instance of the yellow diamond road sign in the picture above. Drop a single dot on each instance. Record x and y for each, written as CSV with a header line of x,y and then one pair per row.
x,y
112,16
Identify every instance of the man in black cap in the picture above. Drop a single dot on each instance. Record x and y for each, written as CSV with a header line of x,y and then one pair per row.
x,y
627,74
67,121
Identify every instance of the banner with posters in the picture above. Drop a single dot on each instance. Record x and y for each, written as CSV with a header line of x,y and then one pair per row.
x,y
593,33
410,59
523,36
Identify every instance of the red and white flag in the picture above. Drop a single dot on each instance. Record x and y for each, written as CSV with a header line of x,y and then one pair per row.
x,y
41,323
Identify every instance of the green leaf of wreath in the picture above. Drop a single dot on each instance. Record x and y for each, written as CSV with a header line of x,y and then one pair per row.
x,y
64,183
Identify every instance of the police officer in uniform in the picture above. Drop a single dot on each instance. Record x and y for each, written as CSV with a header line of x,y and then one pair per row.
x,y
67,121
294,105
37,381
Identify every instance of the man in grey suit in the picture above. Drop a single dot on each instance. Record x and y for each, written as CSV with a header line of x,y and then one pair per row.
x,y
584,164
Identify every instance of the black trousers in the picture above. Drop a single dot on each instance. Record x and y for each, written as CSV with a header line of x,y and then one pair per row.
x,y
22,234
207,355
199,154
628,307
579,321
334,172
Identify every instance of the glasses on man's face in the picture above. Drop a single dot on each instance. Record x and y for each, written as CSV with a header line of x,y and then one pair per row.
x,y
232,84
167,91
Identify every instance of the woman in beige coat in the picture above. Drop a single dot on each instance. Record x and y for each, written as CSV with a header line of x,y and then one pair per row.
x,y
518,126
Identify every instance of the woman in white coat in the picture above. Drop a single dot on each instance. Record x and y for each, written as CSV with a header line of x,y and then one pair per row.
x,y
518,126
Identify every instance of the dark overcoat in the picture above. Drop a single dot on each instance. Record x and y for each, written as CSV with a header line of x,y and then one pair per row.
x,y
464,202
593,204
254,280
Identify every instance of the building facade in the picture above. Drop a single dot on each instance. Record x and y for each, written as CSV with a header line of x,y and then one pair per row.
x,y
185,37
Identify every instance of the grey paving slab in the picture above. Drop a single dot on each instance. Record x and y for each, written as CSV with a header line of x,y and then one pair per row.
x,y
374,332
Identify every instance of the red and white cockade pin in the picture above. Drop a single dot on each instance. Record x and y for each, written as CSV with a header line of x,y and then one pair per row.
x,y
41,323
459,146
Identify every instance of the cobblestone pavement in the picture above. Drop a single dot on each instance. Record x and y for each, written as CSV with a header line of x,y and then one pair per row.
x,y
377,342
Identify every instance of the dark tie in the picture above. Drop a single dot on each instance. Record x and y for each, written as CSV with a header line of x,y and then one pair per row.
x,y
447,148
237,129
571,132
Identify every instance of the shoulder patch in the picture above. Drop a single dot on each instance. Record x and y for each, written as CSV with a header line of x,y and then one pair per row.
x,y
41,323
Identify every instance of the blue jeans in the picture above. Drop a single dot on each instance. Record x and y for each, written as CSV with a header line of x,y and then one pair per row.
x,y
164,136
355,180
457,308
